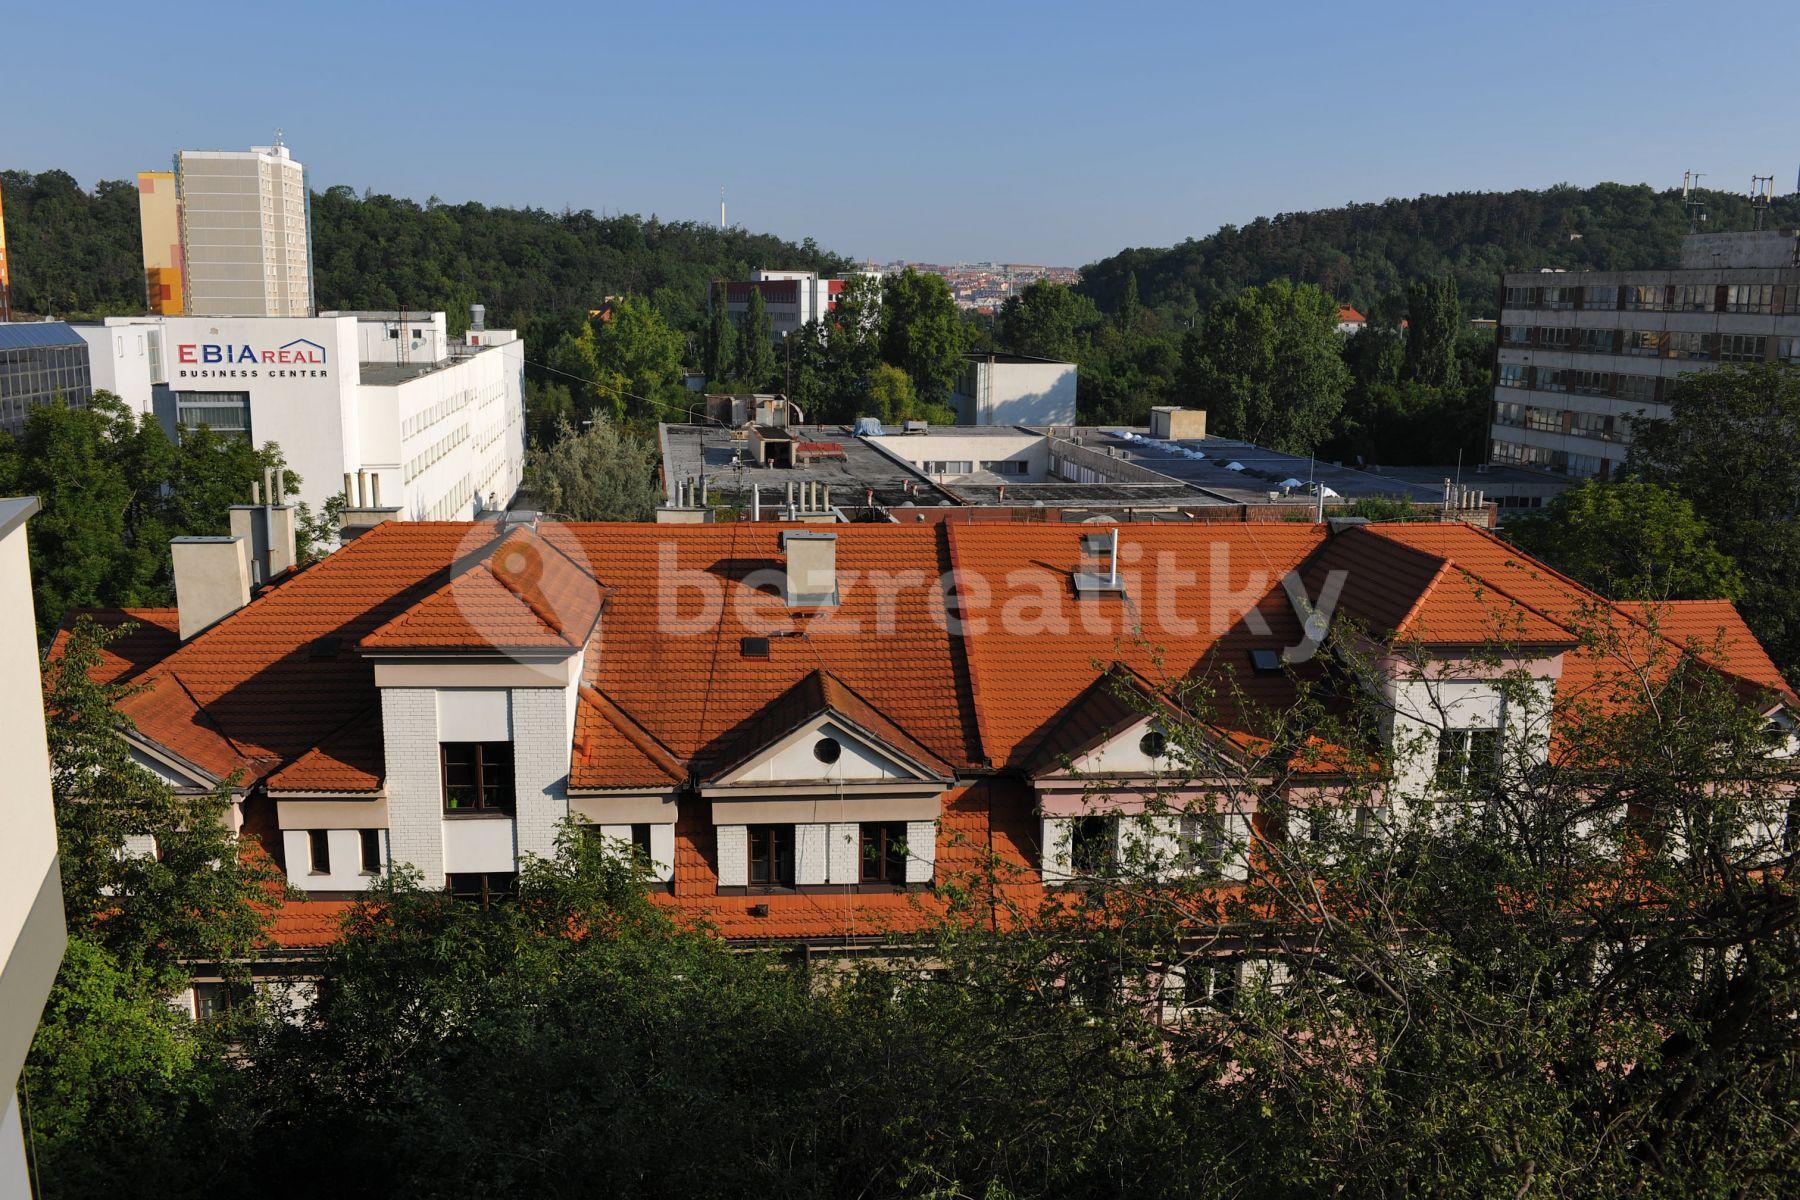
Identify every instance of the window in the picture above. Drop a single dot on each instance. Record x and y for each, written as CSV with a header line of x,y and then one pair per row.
x,y
485,887
1094,845
1514,375
1788,348
216,1001
1742,347
1553,381
1583,465
1203,841
1545,420
1592,383
478,777
1750,298
884,853
1646,342
1006,466
1521,297
771,855
1153,744
828,750
952,466
318,847
1268,662
371,851
1587,424
1467,758
1596,341
1695,297
1640,389
1646,297
1606,296
1554,339
1211,985
1557,297
1516,335
1690,345
222,412
1509,412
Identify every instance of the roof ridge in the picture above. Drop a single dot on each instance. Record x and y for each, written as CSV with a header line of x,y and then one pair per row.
x,y
1424,592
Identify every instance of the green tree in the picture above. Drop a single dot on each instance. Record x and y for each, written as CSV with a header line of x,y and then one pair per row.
x,y
639,360
921,332
1267,364
1434,323
755,369
1731,448
575,363
721,351
600,473
1629,540
891,395
1046,320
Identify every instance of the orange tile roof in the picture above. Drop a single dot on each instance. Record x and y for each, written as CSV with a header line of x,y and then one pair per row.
x,y
153,636
612,750
818,693
1716,633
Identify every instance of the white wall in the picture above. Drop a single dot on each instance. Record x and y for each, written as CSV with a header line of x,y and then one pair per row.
x,y
1422,707
1007,393
346,874
794,759
478,844
918,449
120,358
451,436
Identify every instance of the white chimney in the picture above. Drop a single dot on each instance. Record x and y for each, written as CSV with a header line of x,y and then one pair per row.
x,y
212,580
811,568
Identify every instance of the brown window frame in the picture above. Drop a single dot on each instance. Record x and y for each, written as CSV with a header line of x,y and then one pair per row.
x,y
318,851
369,850
482,886
481,807
764,844
881,852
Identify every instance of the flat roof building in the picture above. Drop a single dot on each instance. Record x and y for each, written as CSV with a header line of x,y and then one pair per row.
x,y
1582,355
1014,389
791,298
430,427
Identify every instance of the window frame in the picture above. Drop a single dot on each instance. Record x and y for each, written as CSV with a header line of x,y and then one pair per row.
x,y
888,841
488,893
318,851
480,808
369,851
1472,764
765,844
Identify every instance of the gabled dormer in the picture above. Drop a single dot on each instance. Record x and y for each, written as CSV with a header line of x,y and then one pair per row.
x,y
1114,786
479,682
819,787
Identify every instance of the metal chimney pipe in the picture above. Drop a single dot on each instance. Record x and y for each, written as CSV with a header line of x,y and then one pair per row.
x,y
255,492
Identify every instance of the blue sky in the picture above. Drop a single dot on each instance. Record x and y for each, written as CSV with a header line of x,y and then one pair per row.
x,y
1023,132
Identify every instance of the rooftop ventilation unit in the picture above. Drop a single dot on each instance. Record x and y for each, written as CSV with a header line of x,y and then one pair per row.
x,y
1234,466
1101,550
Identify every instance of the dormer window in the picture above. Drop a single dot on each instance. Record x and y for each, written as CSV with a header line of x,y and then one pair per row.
x,y
478,778
1467,758
828,750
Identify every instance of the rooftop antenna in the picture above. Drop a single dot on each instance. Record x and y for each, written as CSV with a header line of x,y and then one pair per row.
x,y
721,206
278,142
1762,194
1690,200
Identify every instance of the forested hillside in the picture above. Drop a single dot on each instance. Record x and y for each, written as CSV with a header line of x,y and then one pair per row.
x,y
77,251
1366,254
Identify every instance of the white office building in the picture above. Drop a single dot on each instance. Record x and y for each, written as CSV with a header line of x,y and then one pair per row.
x,y
246,233
421,423
1014,389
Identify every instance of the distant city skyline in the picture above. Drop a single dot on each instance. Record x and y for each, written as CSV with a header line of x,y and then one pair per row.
x,y
1015,133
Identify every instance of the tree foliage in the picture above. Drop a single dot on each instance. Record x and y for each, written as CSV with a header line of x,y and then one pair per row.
x,y
1367,254
115,489
1731,449
599,473
1629,540
921,332
1269,365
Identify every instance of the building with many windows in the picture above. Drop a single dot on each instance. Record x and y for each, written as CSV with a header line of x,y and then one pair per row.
x,y
245,222
791,298
40,361
430,427
783,719
1583,354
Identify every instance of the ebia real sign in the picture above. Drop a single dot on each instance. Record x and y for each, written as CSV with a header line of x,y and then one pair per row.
x,y
301,358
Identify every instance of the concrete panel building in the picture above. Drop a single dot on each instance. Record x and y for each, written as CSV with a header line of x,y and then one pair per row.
x,y
31,909
1584,354
246,236
1014,389
792,298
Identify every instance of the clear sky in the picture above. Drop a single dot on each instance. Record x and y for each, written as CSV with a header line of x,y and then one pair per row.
x,y
1025,132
